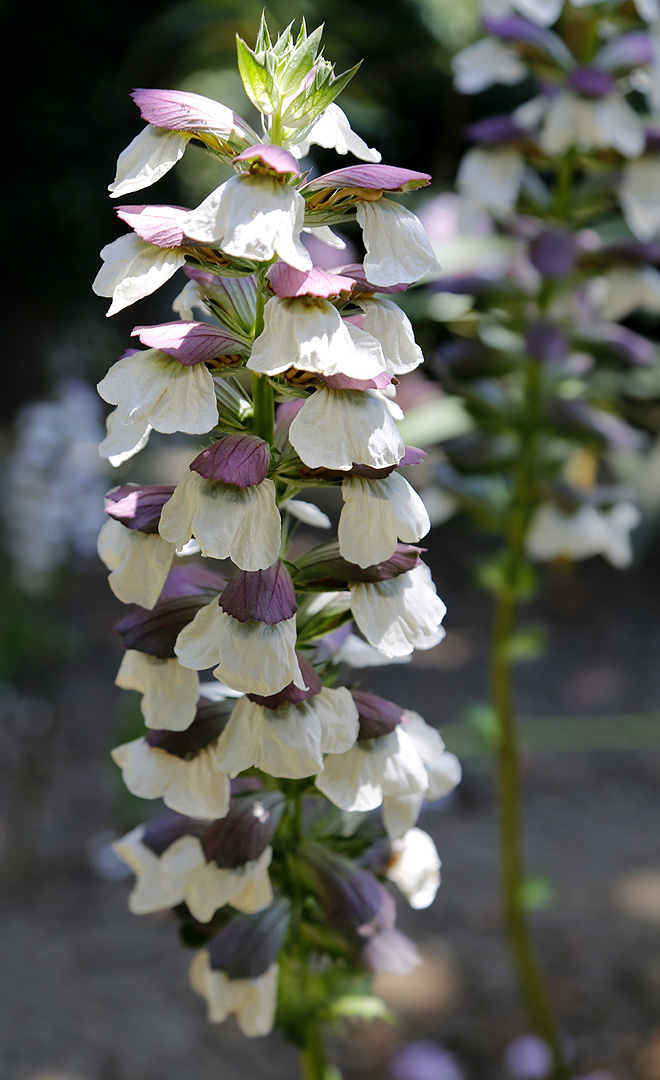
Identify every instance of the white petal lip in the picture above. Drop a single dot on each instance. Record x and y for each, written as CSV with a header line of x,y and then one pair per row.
x,y
398,249
337,428
252,657
253,1000
359,778
133,269
252,217
415,868
169,691
484,63
639,197
313,337
333,131
138,562
148,894
290,741
377,513
123,441
390,326
228,522
401,614
607,122
195,787
149,156
307,512
149,386
491,178
206,887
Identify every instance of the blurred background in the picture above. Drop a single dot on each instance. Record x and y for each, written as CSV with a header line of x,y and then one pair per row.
x,y
89,991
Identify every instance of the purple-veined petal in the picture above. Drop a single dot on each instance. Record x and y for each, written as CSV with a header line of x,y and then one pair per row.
x,y
189,342
345,382
180,110
286,281
242,460
292,693
371,177
159,225
496,131
275,158
138,506
591,82
266,596
377,715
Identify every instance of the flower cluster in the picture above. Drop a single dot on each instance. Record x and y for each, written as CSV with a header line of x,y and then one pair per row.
x,y
268,765
552,276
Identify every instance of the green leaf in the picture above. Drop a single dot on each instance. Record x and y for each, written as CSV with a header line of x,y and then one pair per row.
x,y
257,79
301,62
483,721
527,644
263,41
364,1006
310,103
537,892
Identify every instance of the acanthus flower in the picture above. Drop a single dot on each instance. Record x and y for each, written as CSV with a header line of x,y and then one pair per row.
x,y
249,632
227,503
256,215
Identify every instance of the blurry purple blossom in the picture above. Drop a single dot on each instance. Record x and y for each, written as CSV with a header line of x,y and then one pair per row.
x,y
425,1060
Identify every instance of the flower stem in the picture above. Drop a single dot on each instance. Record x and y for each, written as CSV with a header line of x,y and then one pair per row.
x,y
530,979
263,416
263,398
314,1063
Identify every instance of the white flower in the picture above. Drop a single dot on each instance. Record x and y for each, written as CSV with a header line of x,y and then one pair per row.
x,y
625,289
337,428
149,892
374,769
307,512
333,131
289,741
377,513
138,562
169,691
309,334
122,440
195,786
242,524
206,886
253,1000
152,387
133,269
358,653
251,656
398,249
149,156
484,63
638,193
252,217
182,874
588,531
401,613
609,121
489,179
415,868
390,326
443,771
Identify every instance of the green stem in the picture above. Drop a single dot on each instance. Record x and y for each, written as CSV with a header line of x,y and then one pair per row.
x,y
263,398
312,1057
532,986
263,417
